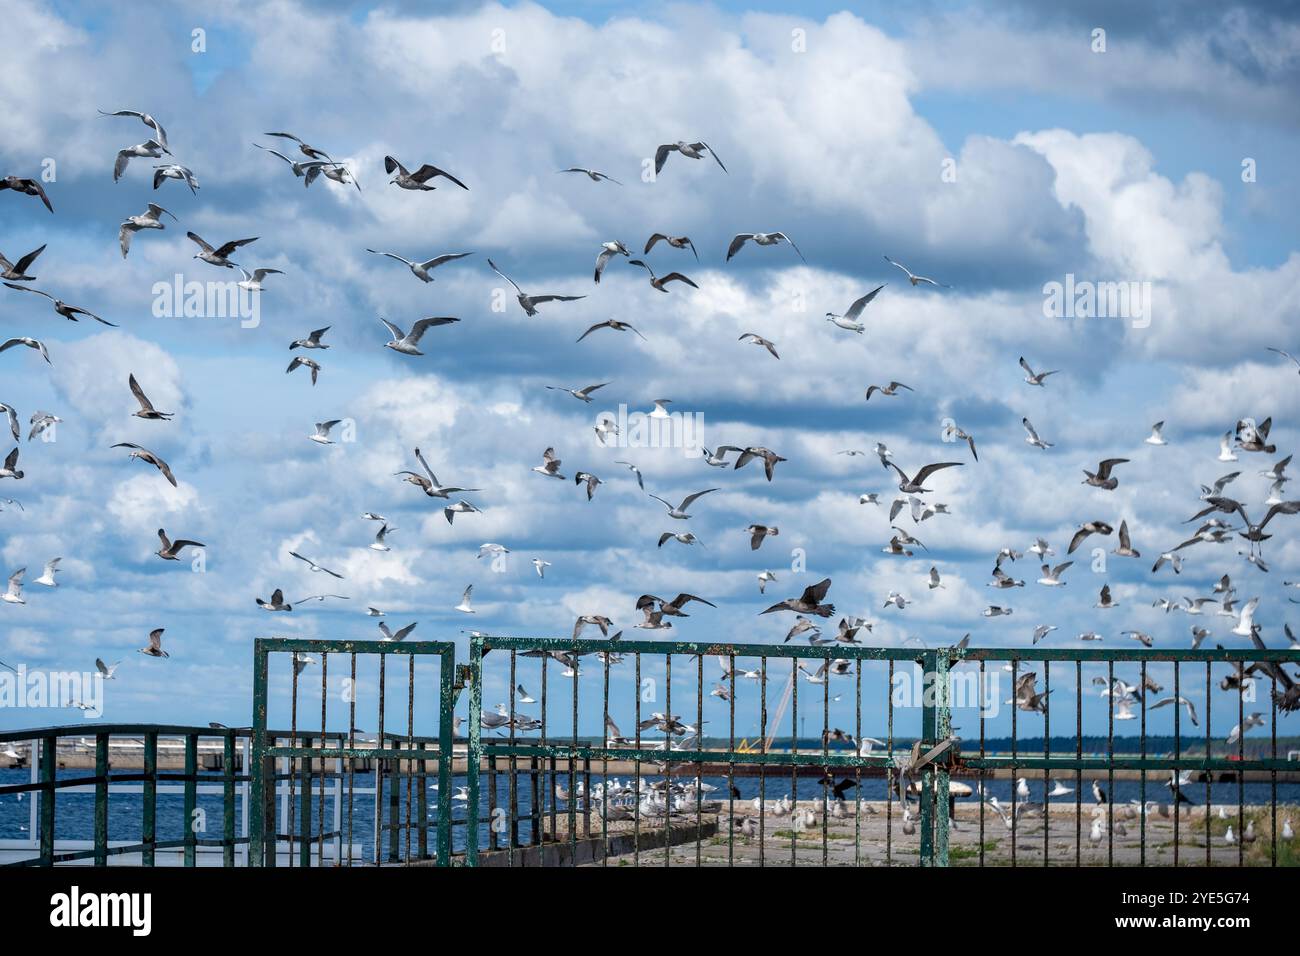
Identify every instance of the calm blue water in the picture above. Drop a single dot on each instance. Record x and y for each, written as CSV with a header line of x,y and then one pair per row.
x,y
74,812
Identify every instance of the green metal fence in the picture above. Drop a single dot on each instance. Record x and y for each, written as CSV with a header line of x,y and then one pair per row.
x,y
77,748
537,791
925,764
402,762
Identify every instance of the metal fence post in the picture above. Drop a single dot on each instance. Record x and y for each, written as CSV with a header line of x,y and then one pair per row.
x,y
936,726
257,768
475,750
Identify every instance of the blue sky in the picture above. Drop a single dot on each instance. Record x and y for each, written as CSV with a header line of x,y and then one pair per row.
x,y
1122,165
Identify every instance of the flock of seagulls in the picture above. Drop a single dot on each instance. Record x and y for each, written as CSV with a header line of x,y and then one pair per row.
x,y
1220,518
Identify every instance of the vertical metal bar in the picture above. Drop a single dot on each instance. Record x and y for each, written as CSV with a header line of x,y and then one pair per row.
x,y
1078,756
49,771
636,766
148,825
1209,753
191,795
731,761
762,767
1142,774
1110,763
604,774
257,766
668,749
473,757
324,698
410,746
513,783
1177,791
573,779
985,776
304,800
1015,763
942,731
352,742
446,753
1047,753
228,798
889,774
101,799
1241,775
381,764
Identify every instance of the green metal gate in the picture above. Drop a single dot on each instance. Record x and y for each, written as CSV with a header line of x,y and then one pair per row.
x,y
317,765
522,823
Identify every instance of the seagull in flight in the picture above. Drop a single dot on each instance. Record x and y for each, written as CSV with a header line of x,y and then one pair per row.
x,y
915,486
277,602
175,171
661,282
313,565
313,341
529,303
913,278
592,174
69,312
807,603
679,511
31,343
47,574
147,411
155,644
10,468
150,148
464,605
28,187
322,434
299,362
550,466
421,269
379,543
758,340
581,394
407,342
145,455
849,320
1102,478
890,390
418,180
311,152
14,593
220,255
689,150
431,486
677,242
170,550
1032,436
398,635
614,324
1156,437
17,272
760,239
252,281
160,134
1032,377
1092,527
149,219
